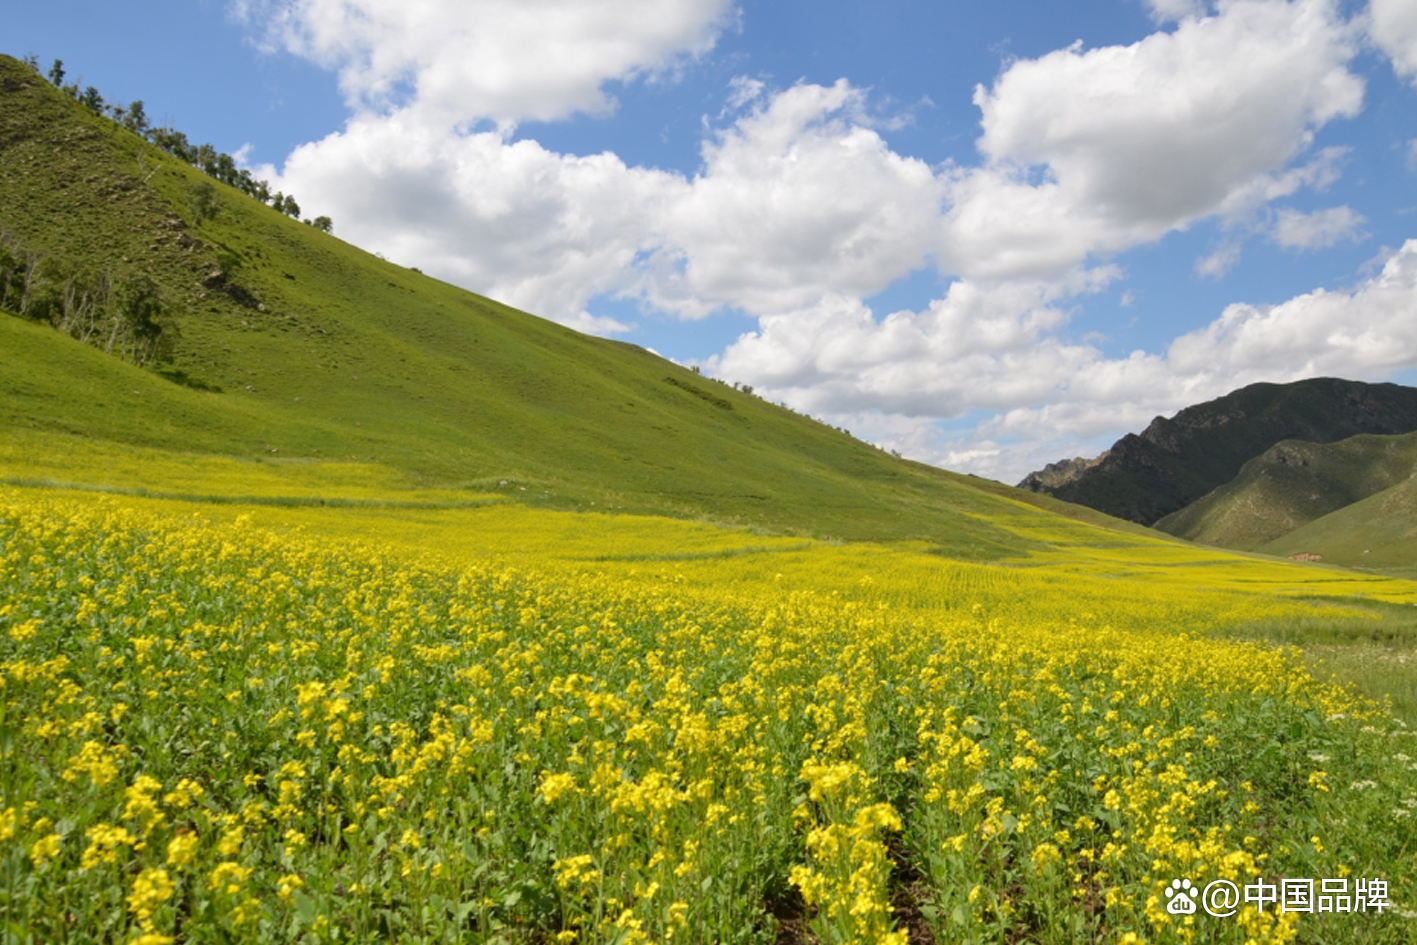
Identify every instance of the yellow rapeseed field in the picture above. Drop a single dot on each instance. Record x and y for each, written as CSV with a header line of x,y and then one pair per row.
x,y
367,724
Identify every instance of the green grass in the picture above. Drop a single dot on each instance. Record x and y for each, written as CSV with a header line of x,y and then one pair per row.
x,y
1376,656
1378,533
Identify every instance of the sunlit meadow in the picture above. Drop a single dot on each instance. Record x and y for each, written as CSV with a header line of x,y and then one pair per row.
x,y
445,720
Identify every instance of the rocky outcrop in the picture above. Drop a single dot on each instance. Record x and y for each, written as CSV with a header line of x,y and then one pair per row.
x,y
1058,474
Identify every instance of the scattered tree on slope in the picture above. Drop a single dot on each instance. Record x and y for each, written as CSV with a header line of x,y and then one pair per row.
x,y
204,157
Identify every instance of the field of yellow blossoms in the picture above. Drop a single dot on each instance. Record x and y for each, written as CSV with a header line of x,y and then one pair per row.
x,y
218,728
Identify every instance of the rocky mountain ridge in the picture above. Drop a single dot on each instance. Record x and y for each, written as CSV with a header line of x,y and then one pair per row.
x,y
1177,460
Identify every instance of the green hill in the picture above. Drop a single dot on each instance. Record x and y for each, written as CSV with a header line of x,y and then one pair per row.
x,y
1292,484
1378,533
295,344
1178,460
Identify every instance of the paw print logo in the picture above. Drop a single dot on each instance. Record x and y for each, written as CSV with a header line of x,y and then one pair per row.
x,y
1181,897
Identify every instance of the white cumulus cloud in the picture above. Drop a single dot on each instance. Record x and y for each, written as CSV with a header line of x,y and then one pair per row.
x,y
1094,151
1392,24
1365,333
504,60
983,345
798,198
801,210
1220,260
1166,11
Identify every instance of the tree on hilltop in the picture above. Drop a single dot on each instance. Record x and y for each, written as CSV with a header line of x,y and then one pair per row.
x,y
205,159
135,119
92,100
225,169
174,143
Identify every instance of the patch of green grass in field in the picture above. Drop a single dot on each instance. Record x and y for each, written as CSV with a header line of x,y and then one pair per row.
x,y
1376,652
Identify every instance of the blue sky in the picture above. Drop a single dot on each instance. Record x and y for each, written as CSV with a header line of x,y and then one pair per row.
x,y
988,235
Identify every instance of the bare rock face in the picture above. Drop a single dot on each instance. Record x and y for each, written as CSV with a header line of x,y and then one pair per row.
x,y
1058,474
1176,460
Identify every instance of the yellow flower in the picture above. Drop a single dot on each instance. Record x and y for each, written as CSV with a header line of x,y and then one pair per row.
x,y
1045,855
21,632
294,841
231,840
287,886
555,785
151,888
45,849
104,842
181,849
140,805
182,796
575,869
228,877
153,938
93,759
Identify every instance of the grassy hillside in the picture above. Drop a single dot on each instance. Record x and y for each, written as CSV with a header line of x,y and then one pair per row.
x,y
1378,533
295,344
1176,461
1291,484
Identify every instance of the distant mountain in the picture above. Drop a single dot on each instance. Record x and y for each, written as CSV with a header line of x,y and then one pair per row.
x,y
1292,484
1178,460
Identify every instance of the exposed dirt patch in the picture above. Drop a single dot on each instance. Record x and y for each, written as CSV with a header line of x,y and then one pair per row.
x,y
792,915
910,890
1093,900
